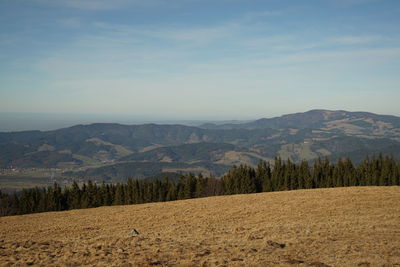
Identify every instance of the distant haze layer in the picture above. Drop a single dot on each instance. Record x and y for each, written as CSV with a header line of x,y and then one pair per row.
x,y
43,121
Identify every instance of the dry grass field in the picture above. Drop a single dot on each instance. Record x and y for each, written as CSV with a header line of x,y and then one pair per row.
x,y
357,226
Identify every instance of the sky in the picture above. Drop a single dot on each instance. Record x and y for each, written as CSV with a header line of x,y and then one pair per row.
x,y
199,59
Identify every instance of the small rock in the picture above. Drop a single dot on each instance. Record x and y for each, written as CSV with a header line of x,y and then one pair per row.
x,y
318,264
294,261
204,253
134,232
154,263
275,244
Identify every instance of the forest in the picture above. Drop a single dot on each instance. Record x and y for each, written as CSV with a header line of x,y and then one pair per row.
x,y
243,179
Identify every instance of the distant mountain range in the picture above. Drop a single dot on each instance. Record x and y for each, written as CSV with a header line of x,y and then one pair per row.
x,y
349,122
116,152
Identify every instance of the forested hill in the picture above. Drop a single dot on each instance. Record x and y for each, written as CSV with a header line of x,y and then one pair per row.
x,y
340,120
91,149
284,175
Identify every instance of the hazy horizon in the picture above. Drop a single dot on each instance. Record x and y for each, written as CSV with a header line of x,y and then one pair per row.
x,y
20,121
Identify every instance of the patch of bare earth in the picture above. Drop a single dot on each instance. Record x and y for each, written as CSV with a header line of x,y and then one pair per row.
x,y
357,226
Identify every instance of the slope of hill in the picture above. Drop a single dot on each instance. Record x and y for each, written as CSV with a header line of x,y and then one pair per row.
x,y
331,119
319,227
183,153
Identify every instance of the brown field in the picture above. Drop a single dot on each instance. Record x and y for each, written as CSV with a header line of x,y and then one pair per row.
x,y
357,226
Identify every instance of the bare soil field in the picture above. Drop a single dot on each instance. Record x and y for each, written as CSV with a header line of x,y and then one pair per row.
x,y
358,226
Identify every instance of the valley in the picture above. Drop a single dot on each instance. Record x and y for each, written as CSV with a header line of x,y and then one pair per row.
x,y
115,152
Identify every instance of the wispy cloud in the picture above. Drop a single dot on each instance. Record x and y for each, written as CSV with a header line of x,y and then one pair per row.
x,y
200,35
99,5
149,49
95,4
268,41
353,2
296,43
354,40
184,35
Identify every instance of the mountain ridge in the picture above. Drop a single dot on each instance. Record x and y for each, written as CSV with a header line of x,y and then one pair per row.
x,y
297,136
294,118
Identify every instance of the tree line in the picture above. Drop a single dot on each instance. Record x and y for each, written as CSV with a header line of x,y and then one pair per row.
x,y
243,179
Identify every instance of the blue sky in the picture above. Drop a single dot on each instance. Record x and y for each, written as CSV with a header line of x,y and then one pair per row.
x,y
199,59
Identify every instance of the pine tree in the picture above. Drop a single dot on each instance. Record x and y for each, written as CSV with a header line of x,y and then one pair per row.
x,y
190,185
172,192
74,198
119,195
277,175
199,187
263,176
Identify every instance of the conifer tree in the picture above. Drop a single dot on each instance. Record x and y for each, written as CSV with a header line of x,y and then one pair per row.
x,y
199,187
172,192
119,198
74,199
277,174
190,185
263,174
